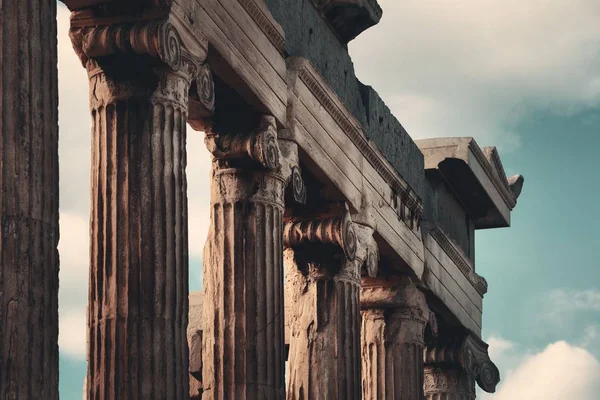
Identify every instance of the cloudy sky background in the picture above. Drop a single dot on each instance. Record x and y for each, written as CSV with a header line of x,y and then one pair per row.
x,y
524,76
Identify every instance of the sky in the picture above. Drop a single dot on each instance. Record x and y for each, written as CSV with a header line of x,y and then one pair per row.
x,y
524,76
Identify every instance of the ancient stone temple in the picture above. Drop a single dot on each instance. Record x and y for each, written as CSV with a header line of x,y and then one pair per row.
x,y
340,261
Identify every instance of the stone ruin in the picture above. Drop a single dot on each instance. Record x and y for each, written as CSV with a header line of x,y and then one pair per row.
x,y
339,249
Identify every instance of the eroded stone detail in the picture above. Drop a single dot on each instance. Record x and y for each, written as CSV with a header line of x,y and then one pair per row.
x,y
29,261
322,288
394,316
462,361
448,383
194,337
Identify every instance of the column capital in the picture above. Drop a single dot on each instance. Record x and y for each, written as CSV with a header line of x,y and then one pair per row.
x,y
139,48
470,353
395,293
336,231
260,145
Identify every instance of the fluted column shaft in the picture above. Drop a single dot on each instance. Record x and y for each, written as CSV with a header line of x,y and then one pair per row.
x,y
324,321
448,382
392,339
324,343
29,200
243,354
138,299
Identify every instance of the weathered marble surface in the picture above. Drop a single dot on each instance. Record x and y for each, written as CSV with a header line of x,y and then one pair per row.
x,y
322,289
29,236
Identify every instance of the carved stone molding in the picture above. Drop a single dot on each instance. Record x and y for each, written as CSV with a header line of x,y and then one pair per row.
x,y
260,146
404,195
464,263
257,10
500,182
481,284
471,355
456,255
338,231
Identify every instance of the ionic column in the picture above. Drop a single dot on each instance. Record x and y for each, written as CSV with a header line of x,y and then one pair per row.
x,y
323,285
140,75
394,316
243,354
29,200
453,363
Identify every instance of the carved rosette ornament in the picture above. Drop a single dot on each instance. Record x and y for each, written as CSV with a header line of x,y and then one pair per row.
x,y
290,169
140,77
453,366
394,316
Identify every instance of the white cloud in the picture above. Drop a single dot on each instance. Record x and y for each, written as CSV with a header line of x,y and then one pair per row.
x,y
560,371
74,122
498,347
74,250
475,67
73,336
198,173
